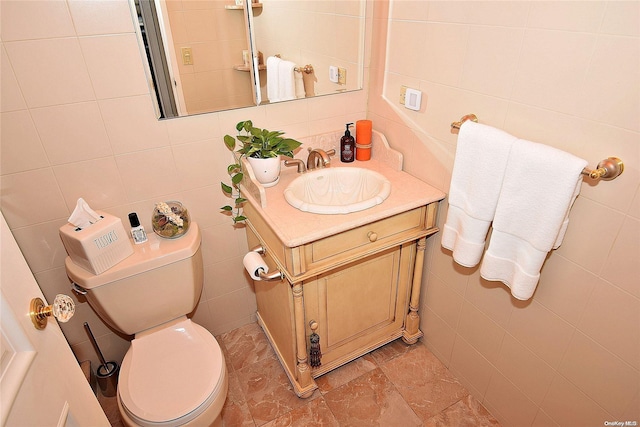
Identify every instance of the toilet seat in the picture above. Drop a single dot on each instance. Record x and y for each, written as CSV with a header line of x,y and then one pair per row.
x,y
171,374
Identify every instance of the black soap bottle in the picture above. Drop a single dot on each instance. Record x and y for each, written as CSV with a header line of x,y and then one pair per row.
x,y
347,146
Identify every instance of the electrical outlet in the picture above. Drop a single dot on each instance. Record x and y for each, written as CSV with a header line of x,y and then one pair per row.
x,y
413,99
187,56
342,76
403,94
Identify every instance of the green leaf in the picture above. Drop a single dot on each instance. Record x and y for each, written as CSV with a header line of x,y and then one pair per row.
x,y
239,218
226,188
227,208
232,168
230,142
240,200
237,178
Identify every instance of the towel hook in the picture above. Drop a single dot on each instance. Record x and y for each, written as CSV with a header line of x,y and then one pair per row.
x,y
608,169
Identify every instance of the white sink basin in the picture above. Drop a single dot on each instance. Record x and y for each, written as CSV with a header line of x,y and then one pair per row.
x,y
337,190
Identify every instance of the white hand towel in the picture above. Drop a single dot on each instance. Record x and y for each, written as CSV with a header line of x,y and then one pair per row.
x,y
273,76
286,81
299,83
478,170
540,185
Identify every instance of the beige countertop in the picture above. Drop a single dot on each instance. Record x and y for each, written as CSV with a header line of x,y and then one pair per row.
x,y
295,227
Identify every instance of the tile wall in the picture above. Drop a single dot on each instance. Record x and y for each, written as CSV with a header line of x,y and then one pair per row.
x,y
564,74
78,121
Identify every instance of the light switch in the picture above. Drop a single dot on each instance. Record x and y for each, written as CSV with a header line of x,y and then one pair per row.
x,y
187,56
412,99
333,74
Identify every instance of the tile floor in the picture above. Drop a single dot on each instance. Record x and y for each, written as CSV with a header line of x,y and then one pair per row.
x,y
395,385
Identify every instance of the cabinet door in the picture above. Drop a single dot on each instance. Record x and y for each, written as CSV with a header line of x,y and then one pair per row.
x,y
361,306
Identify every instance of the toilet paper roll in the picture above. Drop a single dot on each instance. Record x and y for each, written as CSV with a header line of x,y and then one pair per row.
x,y
253,263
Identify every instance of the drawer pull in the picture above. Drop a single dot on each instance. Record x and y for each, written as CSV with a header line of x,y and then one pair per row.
x,y
314,349
373,236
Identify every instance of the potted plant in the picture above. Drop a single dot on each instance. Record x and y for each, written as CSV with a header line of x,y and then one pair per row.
x,y
263,149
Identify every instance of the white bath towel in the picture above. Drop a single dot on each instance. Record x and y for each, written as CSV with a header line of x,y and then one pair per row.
x,y
286,81
273,77
540,185
478,170
299,83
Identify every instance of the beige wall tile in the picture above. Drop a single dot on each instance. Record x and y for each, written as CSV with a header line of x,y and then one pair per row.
x,y
439,337
522,367
11,98
621,264
72,132
611,318
21,148
110,79
491,60
22,20
198,164
599,374
565,288
31,197
139,183
509,402
492,298
481,332
101,17
569,16
96,181
552,68
131,124
584,411
50,71
471,368
510,14
541,331
622,18
41,244
443,301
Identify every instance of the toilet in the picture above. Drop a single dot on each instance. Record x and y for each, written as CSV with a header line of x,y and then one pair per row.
x,y
174,373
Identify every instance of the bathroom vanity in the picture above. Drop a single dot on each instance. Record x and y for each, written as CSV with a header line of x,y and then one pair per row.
x,y
353,279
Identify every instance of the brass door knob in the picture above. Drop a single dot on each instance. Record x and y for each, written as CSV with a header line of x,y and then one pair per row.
x,y
62,309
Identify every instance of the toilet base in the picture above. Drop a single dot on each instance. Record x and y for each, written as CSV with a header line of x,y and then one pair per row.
x,y
210,417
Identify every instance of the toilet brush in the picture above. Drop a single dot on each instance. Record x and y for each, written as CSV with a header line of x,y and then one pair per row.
x,y
107,372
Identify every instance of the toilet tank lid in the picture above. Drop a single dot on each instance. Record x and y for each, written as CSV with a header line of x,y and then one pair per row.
x,y
156,252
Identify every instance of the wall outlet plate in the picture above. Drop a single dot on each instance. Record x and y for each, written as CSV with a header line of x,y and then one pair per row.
x,y
412,99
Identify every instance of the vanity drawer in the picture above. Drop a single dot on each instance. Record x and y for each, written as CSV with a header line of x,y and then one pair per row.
x,y
366,235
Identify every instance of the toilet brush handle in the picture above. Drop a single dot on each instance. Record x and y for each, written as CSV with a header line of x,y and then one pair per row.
x,y
95,344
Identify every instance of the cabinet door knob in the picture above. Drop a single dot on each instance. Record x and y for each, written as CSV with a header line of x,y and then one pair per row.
x,y
373,236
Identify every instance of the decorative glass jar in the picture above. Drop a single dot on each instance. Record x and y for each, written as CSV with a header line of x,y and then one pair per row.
x,y
170,219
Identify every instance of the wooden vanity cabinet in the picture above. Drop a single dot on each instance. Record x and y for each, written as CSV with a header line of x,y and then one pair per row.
x,y
360,287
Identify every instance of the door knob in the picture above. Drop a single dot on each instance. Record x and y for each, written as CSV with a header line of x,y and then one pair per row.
x,y
62,309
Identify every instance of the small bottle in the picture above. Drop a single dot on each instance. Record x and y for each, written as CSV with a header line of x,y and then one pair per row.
x,y
347,146
137,231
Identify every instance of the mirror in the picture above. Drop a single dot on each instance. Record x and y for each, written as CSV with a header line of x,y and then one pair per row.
x,y
214,55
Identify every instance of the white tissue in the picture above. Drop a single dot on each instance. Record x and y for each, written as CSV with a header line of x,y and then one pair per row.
x,y
253,263
83,216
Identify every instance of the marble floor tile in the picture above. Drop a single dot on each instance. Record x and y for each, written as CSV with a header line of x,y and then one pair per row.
x,y
235,412
370,400
424,382
246,345
267,390
467,412
314,414
345,373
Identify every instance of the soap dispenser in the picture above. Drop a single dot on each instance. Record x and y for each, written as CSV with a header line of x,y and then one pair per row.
x,y
347,146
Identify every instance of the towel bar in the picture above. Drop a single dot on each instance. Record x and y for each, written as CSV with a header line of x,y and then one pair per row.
x,y
307,69
607,169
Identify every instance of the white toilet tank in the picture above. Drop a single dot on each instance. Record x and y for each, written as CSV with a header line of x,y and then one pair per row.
x,y
160,282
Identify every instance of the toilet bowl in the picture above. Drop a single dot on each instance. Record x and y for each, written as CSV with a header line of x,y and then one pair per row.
x,y
171,376
174,373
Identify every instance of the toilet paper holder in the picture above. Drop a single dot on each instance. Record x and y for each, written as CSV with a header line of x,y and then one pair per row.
x,y
277,275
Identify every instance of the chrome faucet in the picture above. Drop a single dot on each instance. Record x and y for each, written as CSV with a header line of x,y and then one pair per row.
x,y
319,158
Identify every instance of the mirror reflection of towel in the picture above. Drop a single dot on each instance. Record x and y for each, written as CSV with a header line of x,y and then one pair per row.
x,y
281,84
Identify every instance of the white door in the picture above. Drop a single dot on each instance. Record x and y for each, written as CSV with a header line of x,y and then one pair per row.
x,y
41,383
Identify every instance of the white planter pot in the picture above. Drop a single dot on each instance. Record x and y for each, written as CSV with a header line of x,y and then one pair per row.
x,y
266,171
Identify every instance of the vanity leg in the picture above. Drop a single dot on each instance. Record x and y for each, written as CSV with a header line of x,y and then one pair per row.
x,y
411,331
305,383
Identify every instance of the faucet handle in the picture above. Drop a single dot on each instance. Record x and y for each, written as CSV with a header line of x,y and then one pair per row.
x,y
301,167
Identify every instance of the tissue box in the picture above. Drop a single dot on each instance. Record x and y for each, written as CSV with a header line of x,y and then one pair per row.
x,y
98,247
